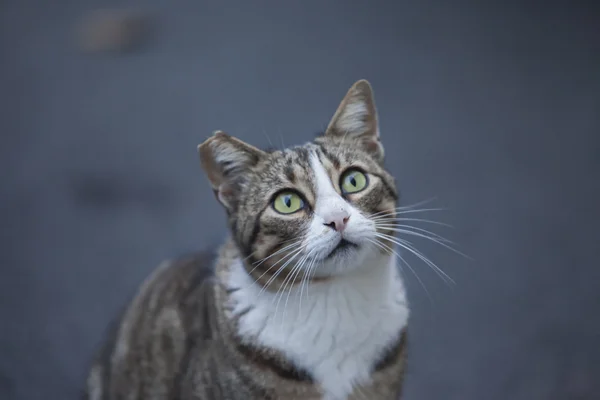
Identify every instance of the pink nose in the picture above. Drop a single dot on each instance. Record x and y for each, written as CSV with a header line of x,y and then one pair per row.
x,y
338,223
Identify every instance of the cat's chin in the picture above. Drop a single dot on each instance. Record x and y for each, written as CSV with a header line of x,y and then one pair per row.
x,y
346,259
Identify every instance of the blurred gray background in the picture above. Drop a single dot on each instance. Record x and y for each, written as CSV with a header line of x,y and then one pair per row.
x,y
490,107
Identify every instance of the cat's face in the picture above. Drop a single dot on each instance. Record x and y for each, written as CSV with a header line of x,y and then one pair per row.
x,y
307,211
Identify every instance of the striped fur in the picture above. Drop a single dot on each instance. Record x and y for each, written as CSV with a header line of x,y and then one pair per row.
x,y
206,326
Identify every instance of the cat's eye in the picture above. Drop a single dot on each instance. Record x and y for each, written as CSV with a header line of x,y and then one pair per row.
x,y
288,203
353,181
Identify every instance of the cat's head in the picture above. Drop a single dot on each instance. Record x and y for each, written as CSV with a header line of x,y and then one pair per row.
x,y
315,206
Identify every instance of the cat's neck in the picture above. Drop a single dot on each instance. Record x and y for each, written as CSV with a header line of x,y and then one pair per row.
x,y
336,329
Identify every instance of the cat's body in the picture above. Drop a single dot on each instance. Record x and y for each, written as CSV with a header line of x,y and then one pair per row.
x,y
304,301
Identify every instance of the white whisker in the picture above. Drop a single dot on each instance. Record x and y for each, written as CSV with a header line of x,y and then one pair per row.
x,y
408,246
259,262
272,266
304,280
394,252
388,213
289,279
403,229
427,221
441,240
283,284
298,270
268,138
254,252
280,269
408,207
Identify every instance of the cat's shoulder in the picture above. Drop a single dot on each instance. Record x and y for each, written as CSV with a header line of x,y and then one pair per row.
x,y
175,302
177,277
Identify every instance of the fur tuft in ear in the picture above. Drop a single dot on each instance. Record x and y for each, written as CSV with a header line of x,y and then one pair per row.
x,y
356,119
226,160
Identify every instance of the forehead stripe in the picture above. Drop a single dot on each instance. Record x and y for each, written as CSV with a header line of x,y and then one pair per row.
x,y
334,160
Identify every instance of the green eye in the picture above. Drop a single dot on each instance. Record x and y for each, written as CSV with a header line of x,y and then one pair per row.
x,y
288,203
354,181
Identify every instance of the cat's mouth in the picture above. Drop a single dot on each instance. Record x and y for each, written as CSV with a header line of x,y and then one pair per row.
x,y
343,247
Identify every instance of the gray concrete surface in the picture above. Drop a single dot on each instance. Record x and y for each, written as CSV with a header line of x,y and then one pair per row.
x,y
491,107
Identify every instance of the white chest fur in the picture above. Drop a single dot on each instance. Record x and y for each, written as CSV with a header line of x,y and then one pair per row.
x,y
336,329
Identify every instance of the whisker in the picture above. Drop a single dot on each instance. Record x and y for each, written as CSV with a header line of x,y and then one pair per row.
x,y
387,213
442,242
293,255
304,280
427,221
281,268
259,262
398,228
408,207
311,269
408,246
388,248
254,252
298,270
281,139
288,279
269,269
311,275
268,138
272,266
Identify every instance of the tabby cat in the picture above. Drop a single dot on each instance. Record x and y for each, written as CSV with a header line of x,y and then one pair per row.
x,y
303,301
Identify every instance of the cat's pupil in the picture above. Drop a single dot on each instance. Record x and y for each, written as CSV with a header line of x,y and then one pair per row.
x,y
288,201
353,180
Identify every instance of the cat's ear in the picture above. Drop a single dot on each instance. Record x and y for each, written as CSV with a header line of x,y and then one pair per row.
x,y
226,161
356,118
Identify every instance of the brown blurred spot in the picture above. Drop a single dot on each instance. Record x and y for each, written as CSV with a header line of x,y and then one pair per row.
x,y
114,30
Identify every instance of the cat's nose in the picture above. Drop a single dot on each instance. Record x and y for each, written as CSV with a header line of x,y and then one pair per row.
x,y
338,221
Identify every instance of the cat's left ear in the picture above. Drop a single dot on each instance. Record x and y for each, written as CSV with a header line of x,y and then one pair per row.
x,y
227,161
356,118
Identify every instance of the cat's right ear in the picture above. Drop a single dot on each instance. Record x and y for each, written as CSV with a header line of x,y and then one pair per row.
x,y
226,161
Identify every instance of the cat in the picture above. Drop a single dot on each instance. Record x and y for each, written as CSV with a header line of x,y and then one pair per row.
x,y
304,299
